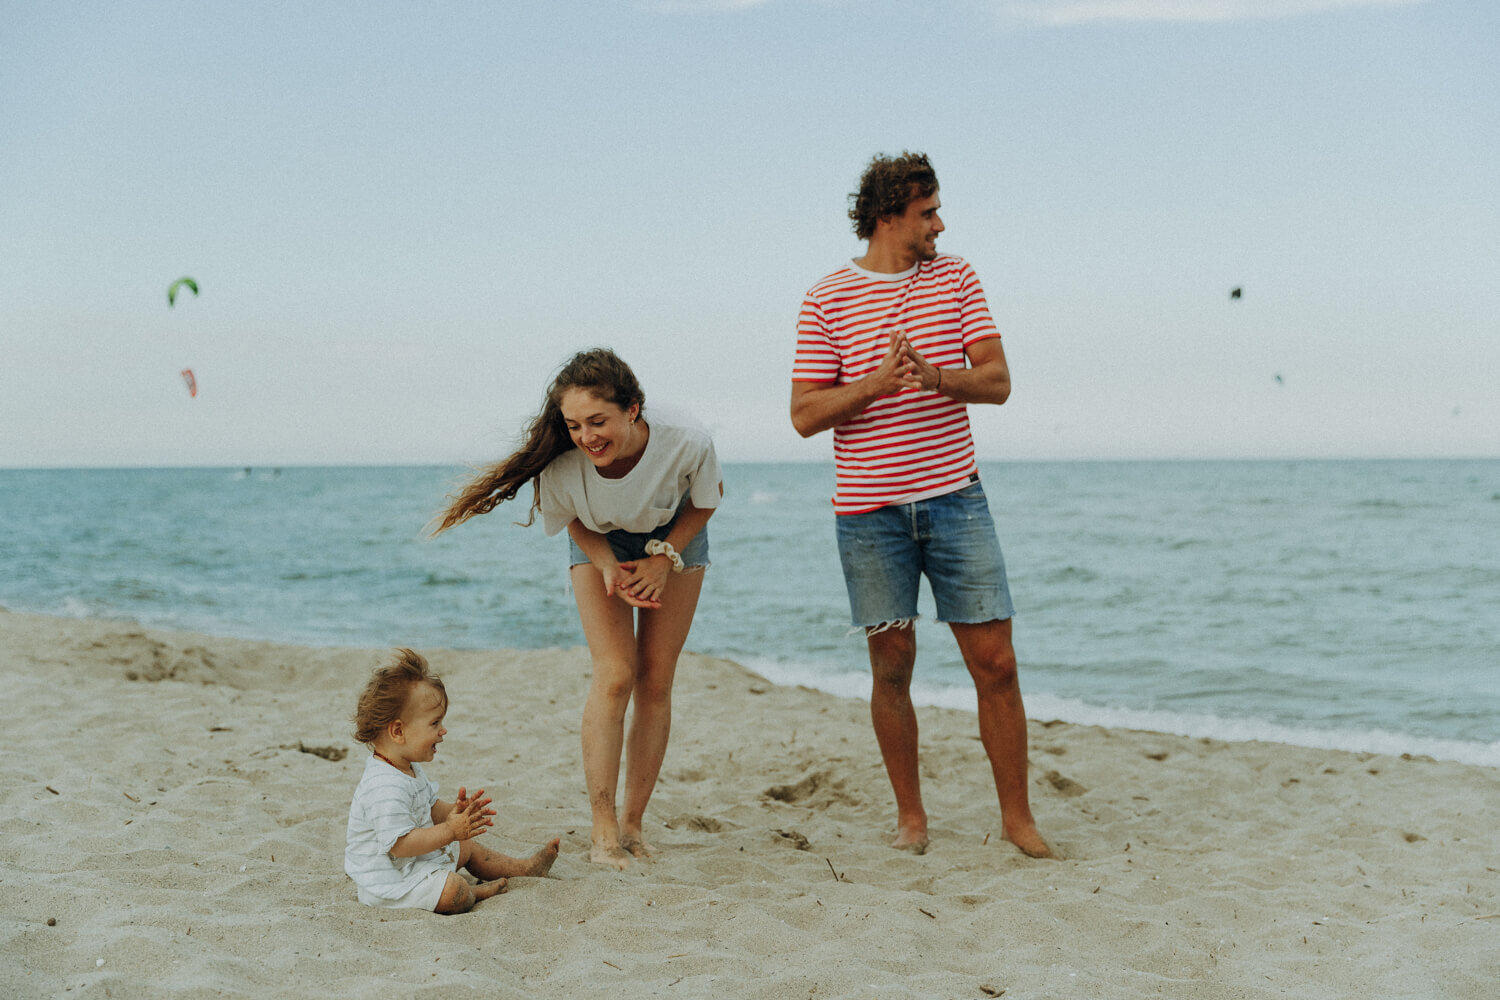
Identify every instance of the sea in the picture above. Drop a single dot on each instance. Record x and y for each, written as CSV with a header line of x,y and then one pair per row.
x,y
1350,605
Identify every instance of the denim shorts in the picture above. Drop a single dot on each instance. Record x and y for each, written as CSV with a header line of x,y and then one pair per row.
x,y
630,546
950,538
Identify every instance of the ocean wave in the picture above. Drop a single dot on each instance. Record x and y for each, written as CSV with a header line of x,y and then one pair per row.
x,y
1246,730
1359,628
853,684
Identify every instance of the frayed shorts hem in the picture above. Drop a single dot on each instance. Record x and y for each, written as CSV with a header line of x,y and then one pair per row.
x,y
949,539
886,626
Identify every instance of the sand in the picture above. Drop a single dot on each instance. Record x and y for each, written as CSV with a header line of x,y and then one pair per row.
x,y
173,826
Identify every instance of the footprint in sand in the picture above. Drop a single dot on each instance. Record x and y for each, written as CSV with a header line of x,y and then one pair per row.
x,y
818,784
700,823
792,838
1065,786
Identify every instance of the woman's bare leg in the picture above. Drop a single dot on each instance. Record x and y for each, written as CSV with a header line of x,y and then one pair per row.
x,y
662,633
609,627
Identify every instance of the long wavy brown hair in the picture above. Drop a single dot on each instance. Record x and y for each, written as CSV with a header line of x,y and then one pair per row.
x,y
888,185
600,372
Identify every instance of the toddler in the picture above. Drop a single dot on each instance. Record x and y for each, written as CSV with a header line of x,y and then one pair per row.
x,y
405,846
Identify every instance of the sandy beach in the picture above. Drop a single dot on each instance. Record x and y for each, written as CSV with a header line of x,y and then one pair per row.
x,y
174,826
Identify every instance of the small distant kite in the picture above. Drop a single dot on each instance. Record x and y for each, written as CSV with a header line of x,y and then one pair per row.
x,y
192,383
1278,378
187,283
1233,295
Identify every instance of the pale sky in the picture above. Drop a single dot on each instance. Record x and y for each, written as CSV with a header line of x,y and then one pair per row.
x,y
403,216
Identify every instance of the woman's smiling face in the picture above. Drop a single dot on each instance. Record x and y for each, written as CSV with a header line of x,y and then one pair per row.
x,y
604,432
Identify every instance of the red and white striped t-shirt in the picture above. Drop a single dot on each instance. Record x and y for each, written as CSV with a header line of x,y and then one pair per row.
x,y
914,444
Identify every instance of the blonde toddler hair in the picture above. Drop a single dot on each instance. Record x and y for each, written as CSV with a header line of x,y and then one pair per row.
x,y
385,694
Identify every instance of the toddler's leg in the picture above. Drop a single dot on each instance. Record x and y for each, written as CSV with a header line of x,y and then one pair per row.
x,y
459,896
487,864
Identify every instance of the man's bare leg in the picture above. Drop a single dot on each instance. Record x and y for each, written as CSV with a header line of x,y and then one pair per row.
x,y
893,653
991,659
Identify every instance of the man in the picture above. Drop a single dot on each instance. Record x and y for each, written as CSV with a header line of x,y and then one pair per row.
x,y
890,350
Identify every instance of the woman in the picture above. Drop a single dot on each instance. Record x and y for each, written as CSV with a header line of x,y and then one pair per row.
x,y
635,497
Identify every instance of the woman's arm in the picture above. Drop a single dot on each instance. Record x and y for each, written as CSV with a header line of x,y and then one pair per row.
x,y
646,578
602,556
691,521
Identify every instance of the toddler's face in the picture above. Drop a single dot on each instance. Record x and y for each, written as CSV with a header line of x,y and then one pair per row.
x,y
422,722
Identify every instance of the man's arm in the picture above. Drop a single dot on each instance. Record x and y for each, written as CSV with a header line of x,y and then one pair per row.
x,y
985,380
821,406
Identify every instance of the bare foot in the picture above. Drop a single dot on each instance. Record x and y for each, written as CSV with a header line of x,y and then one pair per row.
x,y
484,890
1029,842
540,863
609,854
911,838
636,846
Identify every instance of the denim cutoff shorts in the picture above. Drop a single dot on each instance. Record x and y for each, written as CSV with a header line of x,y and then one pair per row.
x,y
630,546
950,538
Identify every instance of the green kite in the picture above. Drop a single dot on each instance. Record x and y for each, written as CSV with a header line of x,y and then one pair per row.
x,y
179,283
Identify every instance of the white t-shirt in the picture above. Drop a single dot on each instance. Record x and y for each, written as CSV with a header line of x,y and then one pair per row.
x,y
388,804
677,460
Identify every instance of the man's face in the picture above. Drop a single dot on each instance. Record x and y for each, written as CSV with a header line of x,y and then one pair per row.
x,y
916,230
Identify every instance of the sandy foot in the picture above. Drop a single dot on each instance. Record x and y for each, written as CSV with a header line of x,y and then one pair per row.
x,y
540,863
1030,843
637,847
612,855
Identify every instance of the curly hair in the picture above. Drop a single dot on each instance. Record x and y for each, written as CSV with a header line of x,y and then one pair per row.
x,y
599,371
384,696
888,184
